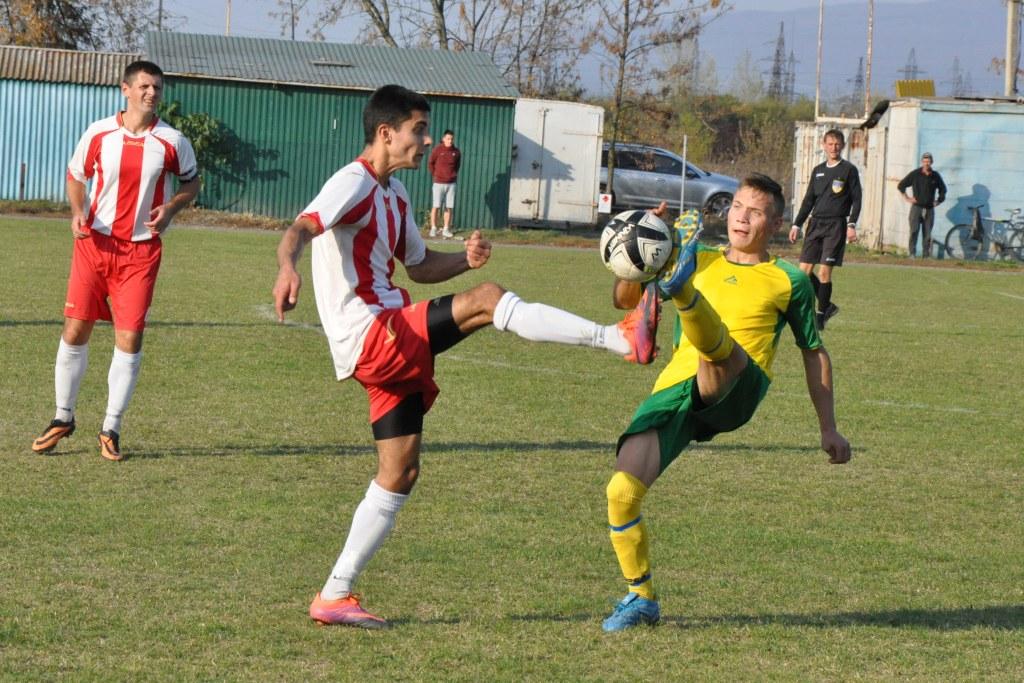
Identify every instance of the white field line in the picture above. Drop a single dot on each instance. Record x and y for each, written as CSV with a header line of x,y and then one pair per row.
x,y
1012,296
267,311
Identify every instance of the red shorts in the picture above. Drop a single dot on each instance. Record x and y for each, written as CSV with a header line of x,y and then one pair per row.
x,y
102,267
396,361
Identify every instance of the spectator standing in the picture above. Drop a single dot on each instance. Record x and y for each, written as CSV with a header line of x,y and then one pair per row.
x,y
928,192
444,165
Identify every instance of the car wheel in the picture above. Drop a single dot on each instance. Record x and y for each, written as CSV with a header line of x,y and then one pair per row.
x,y
718,205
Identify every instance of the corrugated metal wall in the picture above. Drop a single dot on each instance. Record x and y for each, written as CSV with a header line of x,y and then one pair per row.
x,y
40,124
293,138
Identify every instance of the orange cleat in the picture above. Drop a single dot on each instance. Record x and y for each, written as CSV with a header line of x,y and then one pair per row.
x,y
53,433
345,611
109,445
640,328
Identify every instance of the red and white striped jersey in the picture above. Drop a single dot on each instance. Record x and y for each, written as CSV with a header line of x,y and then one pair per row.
x,y
364,229
130,173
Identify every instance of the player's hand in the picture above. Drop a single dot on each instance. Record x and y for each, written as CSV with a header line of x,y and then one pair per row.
x,y
159,219
478,250
794,234
851,234
837,447
661,210
286,291
78,227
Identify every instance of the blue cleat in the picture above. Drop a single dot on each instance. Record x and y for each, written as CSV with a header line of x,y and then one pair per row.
x,y
632,611
683,262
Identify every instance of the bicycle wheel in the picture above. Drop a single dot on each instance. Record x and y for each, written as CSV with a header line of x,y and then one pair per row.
x,y
1015,244
961,244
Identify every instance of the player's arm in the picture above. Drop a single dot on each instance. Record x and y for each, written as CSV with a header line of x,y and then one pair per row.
x,y
438,266
76,198
294,240
805,210
818,371
160,216
855,195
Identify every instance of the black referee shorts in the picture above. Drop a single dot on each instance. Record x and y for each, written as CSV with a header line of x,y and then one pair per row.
x,y
824,241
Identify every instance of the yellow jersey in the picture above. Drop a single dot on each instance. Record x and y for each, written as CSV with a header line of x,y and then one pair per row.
x,y
755,302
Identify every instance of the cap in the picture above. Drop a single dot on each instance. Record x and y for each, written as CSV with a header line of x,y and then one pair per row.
x,y
926,155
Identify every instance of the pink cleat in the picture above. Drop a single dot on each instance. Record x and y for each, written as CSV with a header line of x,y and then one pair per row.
x,y
345,611
640,328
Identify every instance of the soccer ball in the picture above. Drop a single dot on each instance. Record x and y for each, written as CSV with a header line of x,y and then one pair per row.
x,y
635,245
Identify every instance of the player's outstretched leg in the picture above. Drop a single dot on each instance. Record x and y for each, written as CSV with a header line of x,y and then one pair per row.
x,y
682,263
540,322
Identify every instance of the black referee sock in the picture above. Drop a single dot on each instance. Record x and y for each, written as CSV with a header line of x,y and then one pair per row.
x,y
815,282
824,296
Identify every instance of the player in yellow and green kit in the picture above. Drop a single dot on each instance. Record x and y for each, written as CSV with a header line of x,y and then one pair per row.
x,y
732,306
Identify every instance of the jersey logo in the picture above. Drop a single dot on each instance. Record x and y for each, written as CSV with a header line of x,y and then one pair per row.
x,y
389,331
837,186
731,280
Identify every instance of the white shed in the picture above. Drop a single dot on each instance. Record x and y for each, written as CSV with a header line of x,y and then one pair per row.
x,y
976,144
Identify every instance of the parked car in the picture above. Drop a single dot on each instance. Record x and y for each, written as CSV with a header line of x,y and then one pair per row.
x,y
645,175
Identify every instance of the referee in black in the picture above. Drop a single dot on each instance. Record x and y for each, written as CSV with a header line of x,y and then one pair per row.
x,y
832,201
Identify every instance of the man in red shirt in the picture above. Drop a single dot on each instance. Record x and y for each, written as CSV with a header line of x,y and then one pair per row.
x,y
444,165
129,158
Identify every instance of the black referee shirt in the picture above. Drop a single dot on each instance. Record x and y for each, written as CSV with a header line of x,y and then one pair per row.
x,y
925,187
832,193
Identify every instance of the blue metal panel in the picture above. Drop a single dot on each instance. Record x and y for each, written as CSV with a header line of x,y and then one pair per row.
x,y
40,124
977,150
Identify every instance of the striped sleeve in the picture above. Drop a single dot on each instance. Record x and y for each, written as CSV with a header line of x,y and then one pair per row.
x,y
347,198
799,311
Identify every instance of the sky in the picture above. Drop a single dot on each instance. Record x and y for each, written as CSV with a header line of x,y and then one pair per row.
x,y
937,42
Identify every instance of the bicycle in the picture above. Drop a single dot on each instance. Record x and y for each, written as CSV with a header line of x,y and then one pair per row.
x,y
1003,239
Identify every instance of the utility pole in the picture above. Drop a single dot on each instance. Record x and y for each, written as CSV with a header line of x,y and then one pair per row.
x,y
292,5
817,80
867,74
1012,47
160,16
227,19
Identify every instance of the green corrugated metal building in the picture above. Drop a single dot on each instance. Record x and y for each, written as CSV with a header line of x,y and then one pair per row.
x,y
296,108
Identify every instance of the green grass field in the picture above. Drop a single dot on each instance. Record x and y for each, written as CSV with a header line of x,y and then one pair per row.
x,y
196,558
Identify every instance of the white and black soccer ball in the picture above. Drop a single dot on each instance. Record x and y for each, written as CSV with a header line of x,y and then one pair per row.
x,y
635,245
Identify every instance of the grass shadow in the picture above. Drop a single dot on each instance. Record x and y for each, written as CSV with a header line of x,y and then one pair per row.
x,y
1003,617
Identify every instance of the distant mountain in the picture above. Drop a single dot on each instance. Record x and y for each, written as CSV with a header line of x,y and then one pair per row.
x,y
937,30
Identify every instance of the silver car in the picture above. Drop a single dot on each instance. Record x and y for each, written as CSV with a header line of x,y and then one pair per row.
x,y
645,175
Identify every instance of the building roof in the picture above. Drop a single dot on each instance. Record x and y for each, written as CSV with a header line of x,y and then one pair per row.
x,y
63,66
327,65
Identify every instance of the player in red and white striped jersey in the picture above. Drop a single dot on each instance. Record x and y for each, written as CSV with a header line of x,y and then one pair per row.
x,y
130,159
360,224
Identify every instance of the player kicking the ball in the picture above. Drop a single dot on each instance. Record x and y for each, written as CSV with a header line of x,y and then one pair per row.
x,y
731,304
359,225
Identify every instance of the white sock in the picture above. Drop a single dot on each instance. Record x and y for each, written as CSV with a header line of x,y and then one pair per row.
x,y
68,372
371,524
540,322
124,373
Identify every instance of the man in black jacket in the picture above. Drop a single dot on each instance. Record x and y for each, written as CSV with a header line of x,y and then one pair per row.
x,y
929,191
832,201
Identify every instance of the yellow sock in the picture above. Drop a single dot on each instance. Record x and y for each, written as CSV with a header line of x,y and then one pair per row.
x,y
628,532
702,326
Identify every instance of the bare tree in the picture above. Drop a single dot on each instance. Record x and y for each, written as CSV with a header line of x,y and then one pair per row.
x,y
536,43
629,30
77,24
46,23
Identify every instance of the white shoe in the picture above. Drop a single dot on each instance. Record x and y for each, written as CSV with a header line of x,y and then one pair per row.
x,y
447,234
433,232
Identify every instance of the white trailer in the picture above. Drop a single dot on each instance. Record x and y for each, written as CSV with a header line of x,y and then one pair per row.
x,y
556,164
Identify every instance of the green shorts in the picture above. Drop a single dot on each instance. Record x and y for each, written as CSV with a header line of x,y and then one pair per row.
x,y
670,412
